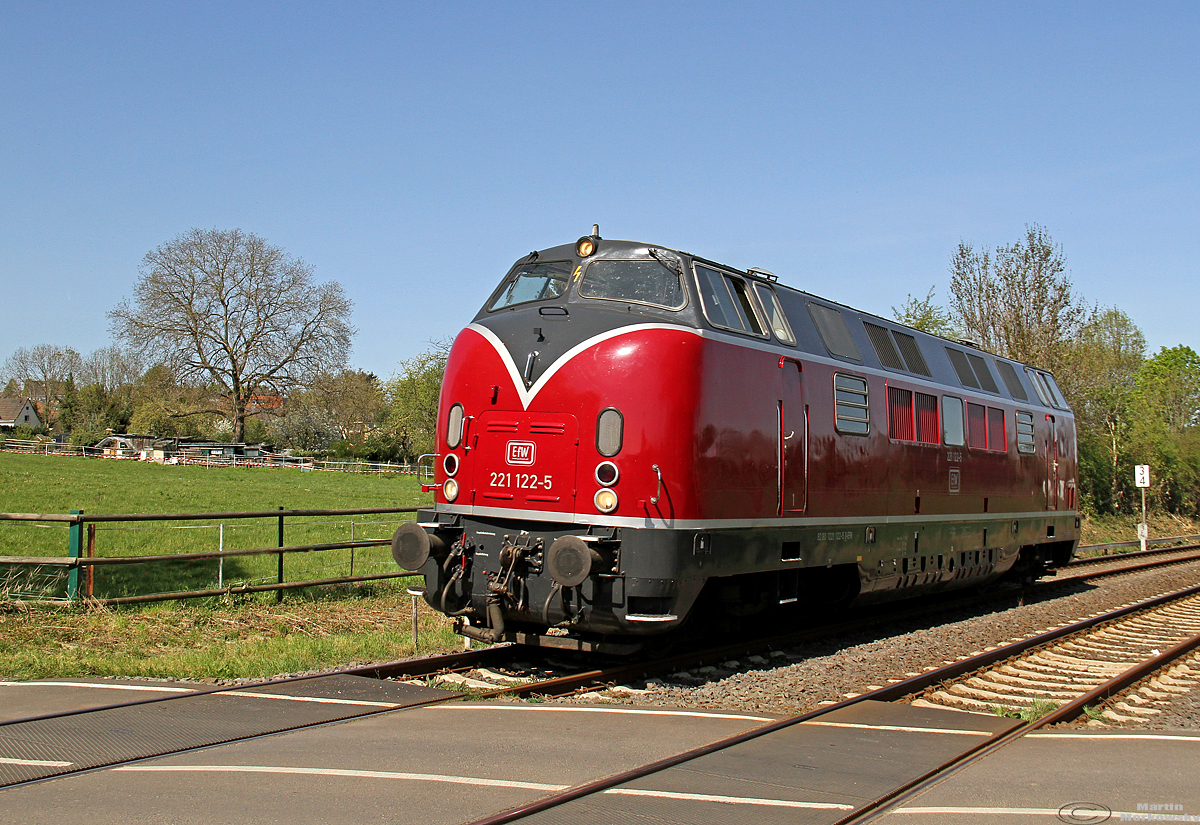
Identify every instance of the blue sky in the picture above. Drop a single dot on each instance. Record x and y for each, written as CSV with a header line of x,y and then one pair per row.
x,y
412,151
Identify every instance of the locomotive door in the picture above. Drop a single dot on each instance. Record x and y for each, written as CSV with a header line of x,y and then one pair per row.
x,y
1052,450
793,441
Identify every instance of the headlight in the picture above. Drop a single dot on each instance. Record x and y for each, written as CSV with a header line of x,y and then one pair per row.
x,y
605,500
450,489
585,247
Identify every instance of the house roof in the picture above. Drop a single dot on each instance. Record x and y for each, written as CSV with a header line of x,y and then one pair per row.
x,y
10,408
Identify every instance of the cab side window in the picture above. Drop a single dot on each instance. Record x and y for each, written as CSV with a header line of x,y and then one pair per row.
x,y
727,302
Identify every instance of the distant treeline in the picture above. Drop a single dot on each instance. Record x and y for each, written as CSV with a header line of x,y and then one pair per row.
x,y
347,414
1130,407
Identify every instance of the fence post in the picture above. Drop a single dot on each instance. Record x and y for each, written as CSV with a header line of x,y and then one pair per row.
x,y
90,573
74,551
416,626
279,593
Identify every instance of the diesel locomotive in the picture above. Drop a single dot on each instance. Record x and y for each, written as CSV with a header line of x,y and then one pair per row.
x,y
629,435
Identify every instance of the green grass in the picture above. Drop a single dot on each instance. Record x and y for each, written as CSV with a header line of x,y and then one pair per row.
x,y
1030,713
1123,527
232,638
57,484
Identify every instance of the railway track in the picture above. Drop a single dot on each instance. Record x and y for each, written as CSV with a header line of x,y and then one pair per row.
x,y
1138,665
497,671
1065,670
1133,560
552,676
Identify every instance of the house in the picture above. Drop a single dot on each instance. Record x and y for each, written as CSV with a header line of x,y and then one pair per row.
x,y
18,412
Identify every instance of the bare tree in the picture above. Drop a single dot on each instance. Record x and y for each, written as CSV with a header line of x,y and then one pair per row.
x,y
1017,302
110,368
352,399
44,372
228,308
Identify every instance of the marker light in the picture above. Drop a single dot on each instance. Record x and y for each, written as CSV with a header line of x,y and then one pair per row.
x,y
450,489
607,473
450,464
605,500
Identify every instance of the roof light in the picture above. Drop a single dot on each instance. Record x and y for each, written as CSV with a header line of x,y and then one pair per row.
x,y
586,246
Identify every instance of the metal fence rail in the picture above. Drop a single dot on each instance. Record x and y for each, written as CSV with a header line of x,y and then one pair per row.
x,y
80,562
15,445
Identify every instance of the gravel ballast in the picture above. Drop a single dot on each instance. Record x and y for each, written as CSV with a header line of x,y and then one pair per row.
x,y
799,679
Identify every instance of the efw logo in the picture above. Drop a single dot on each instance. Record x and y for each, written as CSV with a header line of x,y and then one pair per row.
x,y
520,453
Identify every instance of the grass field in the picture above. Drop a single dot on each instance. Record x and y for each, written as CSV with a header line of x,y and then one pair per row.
x,y
221,637
56,484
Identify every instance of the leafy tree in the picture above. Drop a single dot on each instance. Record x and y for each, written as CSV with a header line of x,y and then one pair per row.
x,y
1168,385
1017,301
412,395
228,309
1165,433
164,407
352,400
1099,381
926,315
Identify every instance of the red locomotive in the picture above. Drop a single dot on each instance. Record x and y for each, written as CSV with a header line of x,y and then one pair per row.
x,y
628,432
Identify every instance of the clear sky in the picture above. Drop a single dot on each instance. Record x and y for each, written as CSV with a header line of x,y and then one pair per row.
x,y
412,151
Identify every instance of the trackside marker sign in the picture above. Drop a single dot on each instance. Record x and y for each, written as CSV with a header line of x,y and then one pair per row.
x,y
520,453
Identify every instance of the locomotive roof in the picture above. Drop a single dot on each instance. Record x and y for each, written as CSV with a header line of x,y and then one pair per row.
x,y
888,347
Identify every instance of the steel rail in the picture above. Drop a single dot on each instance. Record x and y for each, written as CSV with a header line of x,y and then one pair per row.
x,y
431,665
1137,554
1130,568
416,666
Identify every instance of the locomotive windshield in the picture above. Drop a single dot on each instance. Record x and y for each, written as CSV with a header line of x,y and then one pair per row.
x,y
642,282
532,282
